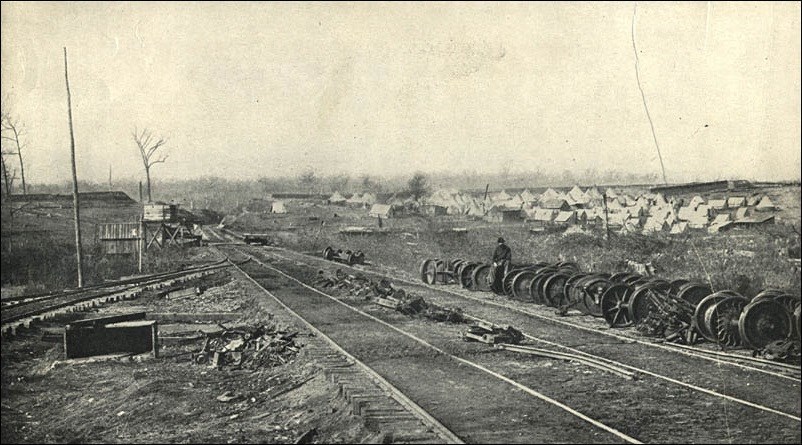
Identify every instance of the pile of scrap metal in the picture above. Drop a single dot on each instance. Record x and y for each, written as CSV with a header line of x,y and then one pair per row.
x,y
347,257
492,334
354,285
385,294
248,347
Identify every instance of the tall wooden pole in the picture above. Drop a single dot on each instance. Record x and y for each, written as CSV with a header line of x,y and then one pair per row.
x,y
606,221
75,203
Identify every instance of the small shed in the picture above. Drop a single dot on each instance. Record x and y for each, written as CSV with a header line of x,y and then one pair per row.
x,y
278,207
381,210
502,215
433,209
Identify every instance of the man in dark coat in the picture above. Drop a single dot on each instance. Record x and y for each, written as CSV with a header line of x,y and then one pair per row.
x,y
502,258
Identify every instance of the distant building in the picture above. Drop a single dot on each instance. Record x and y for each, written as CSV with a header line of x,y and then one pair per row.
x,y
382,210
433,210
503,215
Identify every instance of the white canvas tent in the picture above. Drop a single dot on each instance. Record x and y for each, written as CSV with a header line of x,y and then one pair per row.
x,y
765,205
278,207
336,198
736,201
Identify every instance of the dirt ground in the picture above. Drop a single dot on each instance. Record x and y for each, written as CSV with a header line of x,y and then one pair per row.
x,y
46,399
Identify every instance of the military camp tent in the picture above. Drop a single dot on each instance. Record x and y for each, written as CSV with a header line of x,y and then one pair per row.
x,y
736,201
695,201
742,213
336,198
718,204
554,204
565,218
679,227
765,204
527,196
550,194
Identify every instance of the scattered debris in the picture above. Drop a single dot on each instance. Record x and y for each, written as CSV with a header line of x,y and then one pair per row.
x,y
780,350
226,397
384,294
492,334
248,347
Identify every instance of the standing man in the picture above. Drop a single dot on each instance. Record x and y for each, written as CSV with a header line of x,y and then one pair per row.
x,y
502,258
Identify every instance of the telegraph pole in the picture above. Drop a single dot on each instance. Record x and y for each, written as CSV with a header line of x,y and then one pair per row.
x,y
75,201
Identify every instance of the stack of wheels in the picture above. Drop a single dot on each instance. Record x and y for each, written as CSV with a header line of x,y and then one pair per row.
x,y
356,258
547,286
347,257
584,291
437,271
328,253
464,274
716,317
628,299
772,315
482,278
431,269
693,292
510,276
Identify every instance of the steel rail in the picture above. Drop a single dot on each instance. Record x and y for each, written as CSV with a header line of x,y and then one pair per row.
x,y
566,356
441,430
143,282
520,386
68,292
756,360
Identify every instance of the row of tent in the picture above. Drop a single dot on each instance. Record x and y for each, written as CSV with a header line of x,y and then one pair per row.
x,y
552,205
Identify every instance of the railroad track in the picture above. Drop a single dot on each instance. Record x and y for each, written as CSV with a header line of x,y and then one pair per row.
x,y
465,396
22,311
742,361
707,415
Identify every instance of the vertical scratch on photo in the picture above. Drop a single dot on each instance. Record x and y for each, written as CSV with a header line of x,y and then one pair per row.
x,y
643,95
707,22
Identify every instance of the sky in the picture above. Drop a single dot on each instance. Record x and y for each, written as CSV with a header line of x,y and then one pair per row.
x,y
249,90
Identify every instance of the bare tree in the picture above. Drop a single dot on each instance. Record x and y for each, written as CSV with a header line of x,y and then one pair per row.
x,y
307,180
148,146
339,182
418,186
13,131
8,181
